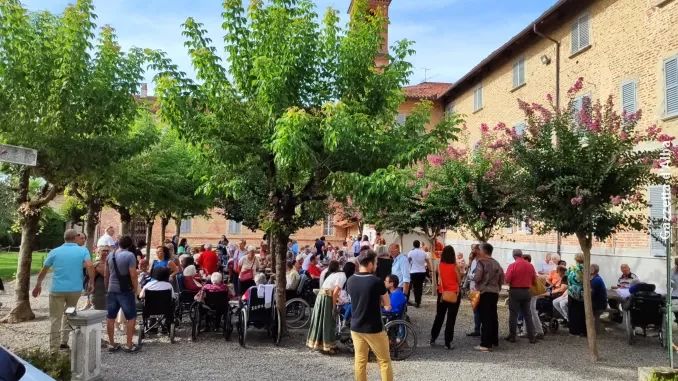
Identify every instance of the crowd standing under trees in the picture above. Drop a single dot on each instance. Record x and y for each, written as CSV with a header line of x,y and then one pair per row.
x,y
313,124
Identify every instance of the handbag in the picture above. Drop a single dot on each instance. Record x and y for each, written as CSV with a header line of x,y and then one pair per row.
x,y
474,298
447,296
246,275
537,288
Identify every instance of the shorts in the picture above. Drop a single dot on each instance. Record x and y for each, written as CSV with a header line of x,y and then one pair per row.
x,y
124,300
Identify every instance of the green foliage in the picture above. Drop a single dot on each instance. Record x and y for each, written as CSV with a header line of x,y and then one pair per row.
x,y
300,107
7,213
52,228
73,210
55,364
591,182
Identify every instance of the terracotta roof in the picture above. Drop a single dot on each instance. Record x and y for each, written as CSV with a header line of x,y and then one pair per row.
x,y
552,16
426,90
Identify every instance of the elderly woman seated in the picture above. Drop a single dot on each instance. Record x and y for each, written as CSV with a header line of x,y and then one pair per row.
x,y
191,279
258,279
216,286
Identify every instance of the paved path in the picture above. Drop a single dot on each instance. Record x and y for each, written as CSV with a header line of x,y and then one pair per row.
x,y
558,357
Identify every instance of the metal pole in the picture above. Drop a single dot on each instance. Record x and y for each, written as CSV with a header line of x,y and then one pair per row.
x,y
669,309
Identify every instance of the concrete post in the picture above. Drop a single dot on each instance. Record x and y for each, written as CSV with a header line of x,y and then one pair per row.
x,y
86,345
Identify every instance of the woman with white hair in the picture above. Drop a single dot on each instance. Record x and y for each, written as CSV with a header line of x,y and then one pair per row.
x,y
247,267
190,281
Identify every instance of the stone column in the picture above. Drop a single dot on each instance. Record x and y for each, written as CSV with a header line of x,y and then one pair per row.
x,y
86,345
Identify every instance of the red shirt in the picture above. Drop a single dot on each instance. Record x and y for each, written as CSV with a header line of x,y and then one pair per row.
x,y
448,277
208,261
314,271
520,274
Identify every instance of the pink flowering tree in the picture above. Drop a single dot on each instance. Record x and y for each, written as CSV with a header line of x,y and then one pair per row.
x,y
478,183
583,173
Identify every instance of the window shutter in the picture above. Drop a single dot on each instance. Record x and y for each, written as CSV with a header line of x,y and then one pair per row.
x,y
520,128
185,226
401,118
575,37
508,230
671,85
628,95
583,32
656,211
521,71
516,74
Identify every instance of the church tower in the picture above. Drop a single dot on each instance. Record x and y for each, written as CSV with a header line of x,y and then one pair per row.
x,y
382,5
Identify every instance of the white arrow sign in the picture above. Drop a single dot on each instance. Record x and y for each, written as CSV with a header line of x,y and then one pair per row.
x,y
18,155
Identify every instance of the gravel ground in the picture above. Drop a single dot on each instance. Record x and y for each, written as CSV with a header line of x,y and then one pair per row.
x,y
559,356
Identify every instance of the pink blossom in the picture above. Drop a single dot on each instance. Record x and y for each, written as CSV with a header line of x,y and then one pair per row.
x,y
576,200
421,211
435,160
489,175
616,200
665,138
576,87
463,127
674,219
484,128
424,193
646,160
657,163
623,135
482,215
499,127
594,126
549,98
420,174
410,184
349,202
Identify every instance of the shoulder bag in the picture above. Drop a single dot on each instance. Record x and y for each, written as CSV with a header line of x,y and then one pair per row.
x,y
474,295
125,281
538,287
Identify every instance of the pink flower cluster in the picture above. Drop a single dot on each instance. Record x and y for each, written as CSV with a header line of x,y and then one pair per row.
x,y
615,200
576,200
435,160
576,87
484,128
420,173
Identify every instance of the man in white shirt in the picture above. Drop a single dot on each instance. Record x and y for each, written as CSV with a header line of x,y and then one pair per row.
x,y
107,238
307,259
545,268
419,262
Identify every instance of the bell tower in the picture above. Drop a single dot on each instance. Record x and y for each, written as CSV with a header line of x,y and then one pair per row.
x,y
382,6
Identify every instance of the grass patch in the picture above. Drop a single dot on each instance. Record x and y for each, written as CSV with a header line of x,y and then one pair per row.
x,y
9,261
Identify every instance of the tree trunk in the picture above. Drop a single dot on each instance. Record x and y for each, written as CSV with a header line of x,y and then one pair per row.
x,y
177,227
21,311
91,222
361,229
279,240
586,242
125,221
273,250
402,246
149,236
164,221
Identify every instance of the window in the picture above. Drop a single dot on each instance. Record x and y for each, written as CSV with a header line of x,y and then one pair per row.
x,y
519,73
508,226
671,86
185,226
628,97
478,98
449,109
400,119
580,34
520,128
656,212
525,227
328,226
578,104
234,227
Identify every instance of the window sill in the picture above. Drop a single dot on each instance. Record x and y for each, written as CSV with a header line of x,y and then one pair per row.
x,y
661,3
669,117
580,51
478,110
518,87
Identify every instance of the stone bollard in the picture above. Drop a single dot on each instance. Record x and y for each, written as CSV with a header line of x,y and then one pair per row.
x,y
86,345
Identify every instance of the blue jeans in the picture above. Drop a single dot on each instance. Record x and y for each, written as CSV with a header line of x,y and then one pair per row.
x,y
476,320
121,300
347,311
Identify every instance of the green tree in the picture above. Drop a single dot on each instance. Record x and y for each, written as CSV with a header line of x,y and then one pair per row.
x,y
61,95
591,180
300,106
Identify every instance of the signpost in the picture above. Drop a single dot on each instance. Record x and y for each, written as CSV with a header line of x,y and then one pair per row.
x,y
18,155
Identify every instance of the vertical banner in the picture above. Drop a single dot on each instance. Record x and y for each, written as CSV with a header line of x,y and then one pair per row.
x,y
665,235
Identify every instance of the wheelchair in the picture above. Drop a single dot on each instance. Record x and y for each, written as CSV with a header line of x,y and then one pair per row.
x,y
298,309
402,338
158,311
186,302
549,317
255,313
214,313
644,309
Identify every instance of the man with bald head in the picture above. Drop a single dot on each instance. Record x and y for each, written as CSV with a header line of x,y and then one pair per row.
x,y
67,285
400,267
519,276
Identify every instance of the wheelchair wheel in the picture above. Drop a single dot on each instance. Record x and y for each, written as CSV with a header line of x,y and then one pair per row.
x,y
426,287
242,327
227,325
555,325
140,336
195,323
172,332
662,333
402,339
276,326
298,313
630,329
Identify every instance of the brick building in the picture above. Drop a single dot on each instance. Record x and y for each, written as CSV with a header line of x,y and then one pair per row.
x,y
626,48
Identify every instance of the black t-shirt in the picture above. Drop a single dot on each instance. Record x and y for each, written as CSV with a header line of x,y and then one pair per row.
x,y
366,291
320,246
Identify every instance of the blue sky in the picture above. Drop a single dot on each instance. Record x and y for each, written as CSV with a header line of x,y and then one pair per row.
x,y
451,36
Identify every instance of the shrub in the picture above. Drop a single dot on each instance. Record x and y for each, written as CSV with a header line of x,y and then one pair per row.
x,y
55,364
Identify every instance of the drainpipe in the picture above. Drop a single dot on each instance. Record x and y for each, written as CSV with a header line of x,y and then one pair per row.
x,y
534,28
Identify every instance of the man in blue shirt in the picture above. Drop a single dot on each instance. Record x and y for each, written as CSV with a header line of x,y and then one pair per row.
x,y
67,281
398,298
356,247
295,247
598,294
400,267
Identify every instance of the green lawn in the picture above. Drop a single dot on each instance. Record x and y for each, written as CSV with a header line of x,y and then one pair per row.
x,y
8,263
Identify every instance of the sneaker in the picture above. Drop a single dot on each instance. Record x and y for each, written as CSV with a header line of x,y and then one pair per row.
x,y
510,339
432,343
113,347
522,334
449,347
481,348
473,334
132,349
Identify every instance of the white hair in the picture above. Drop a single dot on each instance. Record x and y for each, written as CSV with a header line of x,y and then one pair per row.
x,y
190,271
216,278
314,251
555,258
182,257
208,246
251,248
300,257
260,279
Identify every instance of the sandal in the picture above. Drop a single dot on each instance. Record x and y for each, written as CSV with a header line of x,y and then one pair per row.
x,y
113,347
132,349
481,349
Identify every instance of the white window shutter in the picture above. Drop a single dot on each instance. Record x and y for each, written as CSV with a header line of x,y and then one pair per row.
x,y
584,32
575,38
480,98
656,211
520,128
521,71
401,119
516,74
671,85
628,95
